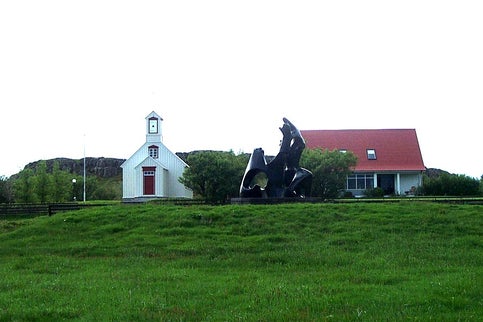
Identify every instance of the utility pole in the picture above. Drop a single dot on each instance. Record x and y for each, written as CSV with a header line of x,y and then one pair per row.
x,y
84,192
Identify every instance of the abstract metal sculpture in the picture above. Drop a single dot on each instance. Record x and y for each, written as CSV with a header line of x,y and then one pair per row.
x,y
284,176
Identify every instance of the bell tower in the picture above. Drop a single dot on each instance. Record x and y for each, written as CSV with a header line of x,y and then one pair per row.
x,y
153,127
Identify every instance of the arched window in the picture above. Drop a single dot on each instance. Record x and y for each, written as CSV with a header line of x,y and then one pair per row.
x,y
153,151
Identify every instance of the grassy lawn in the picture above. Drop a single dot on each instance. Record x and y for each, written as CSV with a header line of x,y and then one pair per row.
x,y
294,262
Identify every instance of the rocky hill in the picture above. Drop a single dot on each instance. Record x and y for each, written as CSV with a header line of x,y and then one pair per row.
x,y
100,167
434,173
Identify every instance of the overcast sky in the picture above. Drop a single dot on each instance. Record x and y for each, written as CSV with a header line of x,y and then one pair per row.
x,y
223,74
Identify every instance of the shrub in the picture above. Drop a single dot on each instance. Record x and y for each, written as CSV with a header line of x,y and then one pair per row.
x,y
451,185
347,194
374,193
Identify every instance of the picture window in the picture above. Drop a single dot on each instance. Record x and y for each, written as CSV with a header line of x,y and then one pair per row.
x,y
360,181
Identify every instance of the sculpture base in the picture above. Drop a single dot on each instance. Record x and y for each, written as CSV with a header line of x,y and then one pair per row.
x,y
270,201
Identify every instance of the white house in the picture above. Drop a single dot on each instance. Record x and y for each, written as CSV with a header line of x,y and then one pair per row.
x,y
153,170
388,158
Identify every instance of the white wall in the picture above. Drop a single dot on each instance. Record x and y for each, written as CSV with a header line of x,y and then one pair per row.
x,y
409,180
169,167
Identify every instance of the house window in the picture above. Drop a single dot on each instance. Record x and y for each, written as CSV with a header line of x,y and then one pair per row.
x,y
153,151
360,181
371,154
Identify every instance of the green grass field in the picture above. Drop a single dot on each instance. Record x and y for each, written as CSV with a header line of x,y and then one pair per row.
x,y
290,262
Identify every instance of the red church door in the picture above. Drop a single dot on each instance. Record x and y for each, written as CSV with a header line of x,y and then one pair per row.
x,y
149,180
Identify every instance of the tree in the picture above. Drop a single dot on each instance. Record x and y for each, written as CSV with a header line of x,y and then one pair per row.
x,y
107,190
6,194
61,184
214,175
330,170
41,186
42,182
24,187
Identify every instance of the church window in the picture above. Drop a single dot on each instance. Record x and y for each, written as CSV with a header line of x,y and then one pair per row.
x,y
153,151
153,125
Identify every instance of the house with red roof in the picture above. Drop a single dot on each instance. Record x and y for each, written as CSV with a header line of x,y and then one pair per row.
x,y
390,159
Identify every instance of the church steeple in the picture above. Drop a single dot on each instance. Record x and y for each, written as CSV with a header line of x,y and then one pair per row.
x,y
153,127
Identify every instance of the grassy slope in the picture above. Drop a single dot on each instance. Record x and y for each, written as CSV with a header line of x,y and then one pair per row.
x,y
286,262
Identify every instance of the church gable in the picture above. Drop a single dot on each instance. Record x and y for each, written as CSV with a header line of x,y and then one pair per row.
x,y
150,162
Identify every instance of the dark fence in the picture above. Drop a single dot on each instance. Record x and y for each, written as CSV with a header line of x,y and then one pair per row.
x,y
13,210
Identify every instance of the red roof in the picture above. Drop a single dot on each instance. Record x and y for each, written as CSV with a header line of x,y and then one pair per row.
x,y
396,150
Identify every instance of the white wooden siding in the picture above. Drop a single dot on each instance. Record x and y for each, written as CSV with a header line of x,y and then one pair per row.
x,y
169,167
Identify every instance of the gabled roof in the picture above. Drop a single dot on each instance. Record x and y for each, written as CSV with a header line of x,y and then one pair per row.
x,y
148,161
154,114
396,149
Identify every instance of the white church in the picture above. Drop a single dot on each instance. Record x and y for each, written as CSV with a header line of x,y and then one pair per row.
x,y
153,170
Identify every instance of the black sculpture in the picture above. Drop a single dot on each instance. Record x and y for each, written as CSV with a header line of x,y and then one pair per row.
x,y
284,176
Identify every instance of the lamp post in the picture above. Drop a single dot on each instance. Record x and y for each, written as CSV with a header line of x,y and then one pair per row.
x,y
73,189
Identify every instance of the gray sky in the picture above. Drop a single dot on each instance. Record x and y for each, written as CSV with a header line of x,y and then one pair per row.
x,y
222,74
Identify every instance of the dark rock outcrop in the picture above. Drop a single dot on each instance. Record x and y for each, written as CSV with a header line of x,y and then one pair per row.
x,y
435,173
100,167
